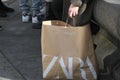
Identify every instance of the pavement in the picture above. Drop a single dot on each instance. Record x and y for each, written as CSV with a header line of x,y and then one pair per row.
x,y
20,52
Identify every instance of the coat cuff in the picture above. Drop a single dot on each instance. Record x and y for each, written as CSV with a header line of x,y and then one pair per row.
x,y
76,2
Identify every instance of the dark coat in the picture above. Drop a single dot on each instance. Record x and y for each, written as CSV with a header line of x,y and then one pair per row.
x,y
63,14
77,2
78,20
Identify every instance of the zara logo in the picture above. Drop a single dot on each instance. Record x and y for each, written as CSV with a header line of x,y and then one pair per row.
x,y
68,72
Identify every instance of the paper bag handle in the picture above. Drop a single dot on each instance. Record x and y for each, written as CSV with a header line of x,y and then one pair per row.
x,y
66,23
67,20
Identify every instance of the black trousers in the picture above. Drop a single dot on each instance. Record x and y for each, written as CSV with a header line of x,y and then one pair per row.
x,y
1,3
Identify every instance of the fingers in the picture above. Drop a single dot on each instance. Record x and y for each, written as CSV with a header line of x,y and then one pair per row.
x,y
70,14
73,11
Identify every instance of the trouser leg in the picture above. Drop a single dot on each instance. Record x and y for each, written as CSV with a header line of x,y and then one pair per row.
x,y
24,5
57,8
36,4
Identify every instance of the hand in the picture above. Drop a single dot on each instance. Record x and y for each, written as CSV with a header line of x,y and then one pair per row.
x,y
73,10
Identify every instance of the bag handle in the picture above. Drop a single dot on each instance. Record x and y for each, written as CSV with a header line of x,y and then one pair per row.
x,y
66,23
80,12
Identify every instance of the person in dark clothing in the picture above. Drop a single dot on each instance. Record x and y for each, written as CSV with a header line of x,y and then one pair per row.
x,y
61,9
4,9
81,17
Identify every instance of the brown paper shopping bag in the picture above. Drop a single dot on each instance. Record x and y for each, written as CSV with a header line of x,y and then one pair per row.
x,y
67,52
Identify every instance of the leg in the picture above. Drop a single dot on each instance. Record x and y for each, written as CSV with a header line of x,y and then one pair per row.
x,y
36,4
24,5
36,10
49,12
4,8
39,12
57,8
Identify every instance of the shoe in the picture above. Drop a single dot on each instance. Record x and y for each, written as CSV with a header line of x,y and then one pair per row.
x,y
35,19
38,25
4,8
3,14
7,9
26,17
1,28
